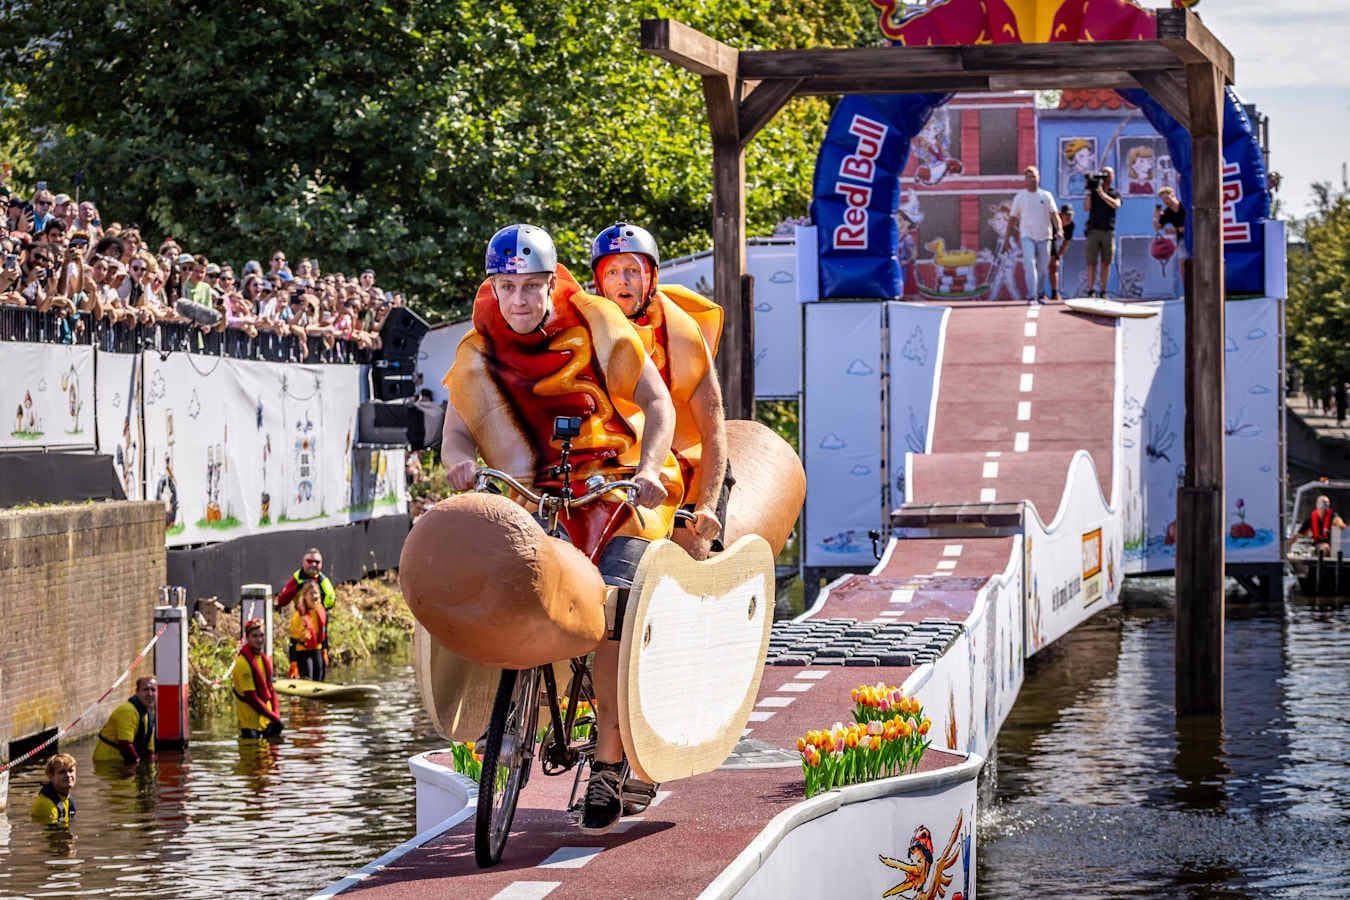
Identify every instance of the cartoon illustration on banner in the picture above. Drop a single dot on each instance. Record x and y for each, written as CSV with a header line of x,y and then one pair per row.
x,y
1077,160
927,877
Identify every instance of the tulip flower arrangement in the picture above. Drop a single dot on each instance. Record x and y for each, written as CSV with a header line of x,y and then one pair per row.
x,y
887,737
466,760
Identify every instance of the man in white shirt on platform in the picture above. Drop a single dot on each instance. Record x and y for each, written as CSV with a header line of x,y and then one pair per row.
x,y
1036,219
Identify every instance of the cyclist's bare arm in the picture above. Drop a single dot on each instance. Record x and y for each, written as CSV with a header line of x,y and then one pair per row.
x,y
458,451
658,430
706,408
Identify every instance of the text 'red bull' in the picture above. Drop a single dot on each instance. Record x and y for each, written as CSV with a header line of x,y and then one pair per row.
x,y
859,166
1233,230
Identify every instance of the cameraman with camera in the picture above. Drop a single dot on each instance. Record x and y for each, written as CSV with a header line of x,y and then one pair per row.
x,y
1101,203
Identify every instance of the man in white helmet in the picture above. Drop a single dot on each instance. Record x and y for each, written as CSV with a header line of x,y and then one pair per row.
x,y
542,348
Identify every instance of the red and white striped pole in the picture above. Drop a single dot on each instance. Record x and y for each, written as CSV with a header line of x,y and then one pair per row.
x,y
171,671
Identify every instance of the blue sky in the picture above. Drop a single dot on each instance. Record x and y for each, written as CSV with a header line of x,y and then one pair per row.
x,y
1293,61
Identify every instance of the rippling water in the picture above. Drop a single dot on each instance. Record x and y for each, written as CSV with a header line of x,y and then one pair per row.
x,y
1095,793
277,821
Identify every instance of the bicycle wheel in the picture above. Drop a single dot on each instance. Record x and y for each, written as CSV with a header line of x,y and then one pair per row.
x,y
507,755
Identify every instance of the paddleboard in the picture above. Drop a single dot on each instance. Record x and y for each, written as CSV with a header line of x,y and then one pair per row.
x,y
320,690
1113,308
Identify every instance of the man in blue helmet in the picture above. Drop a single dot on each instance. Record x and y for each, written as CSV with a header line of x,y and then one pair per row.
x,y
679,331
543,348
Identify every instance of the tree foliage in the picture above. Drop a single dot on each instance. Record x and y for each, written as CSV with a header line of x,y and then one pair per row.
x,y
1319,293
398,134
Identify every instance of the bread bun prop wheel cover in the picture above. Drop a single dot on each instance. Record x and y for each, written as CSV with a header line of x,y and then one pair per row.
x,y
770,484
489,585
691,655
457,693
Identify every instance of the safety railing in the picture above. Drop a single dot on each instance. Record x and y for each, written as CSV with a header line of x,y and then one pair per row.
x,y
25,324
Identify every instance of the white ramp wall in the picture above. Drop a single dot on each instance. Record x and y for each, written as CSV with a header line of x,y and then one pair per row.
x,y
842,433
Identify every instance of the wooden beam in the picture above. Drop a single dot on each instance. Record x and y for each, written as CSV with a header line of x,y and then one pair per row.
x,y
688,47
760,104
1182,32
728,233
937,63
1200,500
1047,81
891,84
1170,92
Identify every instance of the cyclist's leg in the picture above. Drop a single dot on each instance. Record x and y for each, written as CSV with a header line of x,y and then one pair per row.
x,y
617,564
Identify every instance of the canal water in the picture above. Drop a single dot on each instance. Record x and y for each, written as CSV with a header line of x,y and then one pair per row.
x,y
276,821
1093,792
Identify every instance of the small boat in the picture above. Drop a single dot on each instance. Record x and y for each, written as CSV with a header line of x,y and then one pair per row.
x,y
1320,570
322,690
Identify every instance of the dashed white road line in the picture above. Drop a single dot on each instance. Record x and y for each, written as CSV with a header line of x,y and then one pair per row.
x,y
776,702
1028,355
761,715
527,890
902,595
993,454
990,470
952,549
1021,441
987,495
1025,384
1023,410
889,614
812,674
1029,329
570,857
1033,312
796,687
946,565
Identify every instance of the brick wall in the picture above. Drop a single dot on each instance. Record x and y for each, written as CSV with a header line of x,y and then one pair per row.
x,y
78,588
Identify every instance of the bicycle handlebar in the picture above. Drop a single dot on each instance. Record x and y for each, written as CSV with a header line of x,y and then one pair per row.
x,y
626,484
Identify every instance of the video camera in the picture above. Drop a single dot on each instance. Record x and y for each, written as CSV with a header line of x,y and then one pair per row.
x,y
1095,180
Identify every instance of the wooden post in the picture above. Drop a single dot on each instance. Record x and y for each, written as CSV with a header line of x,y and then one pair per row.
x,y
1200,502
728,163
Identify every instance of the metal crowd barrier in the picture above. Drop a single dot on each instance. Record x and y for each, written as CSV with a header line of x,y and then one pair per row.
x,y
18,323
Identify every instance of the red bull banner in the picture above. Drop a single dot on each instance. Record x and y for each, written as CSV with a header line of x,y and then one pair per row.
x,y
856,202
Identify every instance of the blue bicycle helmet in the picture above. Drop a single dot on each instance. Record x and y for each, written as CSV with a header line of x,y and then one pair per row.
x,y
622,237
521,250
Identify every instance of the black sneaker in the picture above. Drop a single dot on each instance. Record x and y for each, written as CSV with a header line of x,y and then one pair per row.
x,y
603,803
637,796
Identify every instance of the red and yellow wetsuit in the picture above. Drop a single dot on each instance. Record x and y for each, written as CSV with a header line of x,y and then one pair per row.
x,y
585,361
680,331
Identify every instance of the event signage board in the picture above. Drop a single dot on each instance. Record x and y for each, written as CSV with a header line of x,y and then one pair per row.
x,y
48,396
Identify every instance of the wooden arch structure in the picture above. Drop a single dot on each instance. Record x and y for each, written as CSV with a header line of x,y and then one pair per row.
x,y
1184,68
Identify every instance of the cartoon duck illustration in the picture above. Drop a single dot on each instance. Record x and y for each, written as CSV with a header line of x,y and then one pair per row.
x,y
950,259
924,878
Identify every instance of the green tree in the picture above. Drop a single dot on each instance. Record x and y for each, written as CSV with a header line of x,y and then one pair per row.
x,y
1318,312
398,134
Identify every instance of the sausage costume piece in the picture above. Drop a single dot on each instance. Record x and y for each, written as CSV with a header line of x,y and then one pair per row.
x,y
477,570
680,331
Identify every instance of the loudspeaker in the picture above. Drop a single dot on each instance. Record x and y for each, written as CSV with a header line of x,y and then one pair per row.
x,y
390,423
394,377
402,332
393,368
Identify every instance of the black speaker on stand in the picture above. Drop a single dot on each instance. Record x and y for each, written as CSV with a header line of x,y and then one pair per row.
x,y
393,368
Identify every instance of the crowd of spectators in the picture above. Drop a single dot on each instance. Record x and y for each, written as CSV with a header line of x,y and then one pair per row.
x,y
68,277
